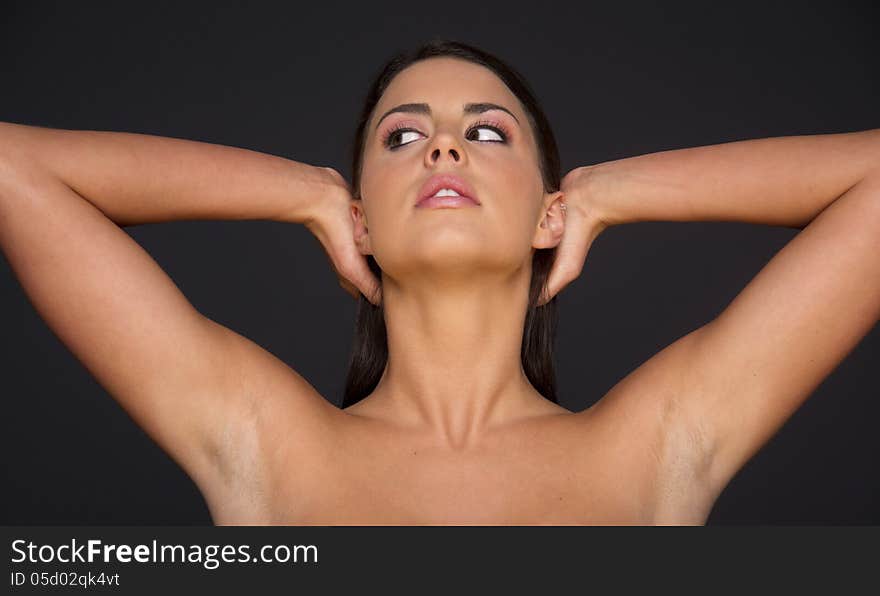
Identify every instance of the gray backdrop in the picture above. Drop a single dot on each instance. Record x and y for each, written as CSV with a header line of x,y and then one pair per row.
x,y
290,81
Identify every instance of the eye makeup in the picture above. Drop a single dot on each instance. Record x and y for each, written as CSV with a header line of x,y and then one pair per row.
x,y
402,127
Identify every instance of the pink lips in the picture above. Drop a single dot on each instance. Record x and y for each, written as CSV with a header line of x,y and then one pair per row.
x,y
439,181
431,202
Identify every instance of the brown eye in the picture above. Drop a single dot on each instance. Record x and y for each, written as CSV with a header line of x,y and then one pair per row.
x,y
496,128
394,134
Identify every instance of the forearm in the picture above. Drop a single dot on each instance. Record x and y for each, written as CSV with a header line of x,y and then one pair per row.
x,y
135,178
783,181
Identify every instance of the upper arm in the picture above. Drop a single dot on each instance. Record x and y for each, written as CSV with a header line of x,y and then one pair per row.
x,y
709,401
186,380
748,371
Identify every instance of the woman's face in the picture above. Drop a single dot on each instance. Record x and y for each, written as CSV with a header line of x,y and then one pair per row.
x,y
494,151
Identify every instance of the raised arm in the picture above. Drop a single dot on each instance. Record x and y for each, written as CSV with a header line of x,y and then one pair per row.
x,y
783,181
734,382
194,386
137,179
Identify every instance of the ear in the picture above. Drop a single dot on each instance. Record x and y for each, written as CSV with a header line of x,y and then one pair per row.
x,y
551,226
361,232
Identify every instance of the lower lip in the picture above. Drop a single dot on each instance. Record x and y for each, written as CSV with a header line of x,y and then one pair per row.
x,y
433,202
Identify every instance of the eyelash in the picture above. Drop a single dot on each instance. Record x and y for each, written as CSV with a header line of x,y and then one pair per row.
x,y
496,126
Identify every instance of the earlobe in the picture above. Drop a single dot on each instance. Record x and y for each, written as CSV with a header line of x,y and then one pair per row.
x,y
552,224
361,232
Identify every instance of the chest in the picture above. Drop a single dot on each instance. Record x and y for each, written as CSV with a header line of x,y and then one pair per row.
x,y
528,478
470,493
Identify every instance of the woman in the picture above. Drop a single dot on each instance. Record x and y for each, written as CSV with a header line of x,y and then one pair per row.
x,y
455,235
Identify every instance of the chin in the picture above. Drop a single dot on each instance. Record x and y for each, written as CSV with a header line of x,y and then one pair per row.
x,y
455,257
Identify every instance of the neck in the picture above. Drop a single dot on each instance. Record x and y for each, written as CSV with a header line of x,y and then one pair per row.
x,y
454,366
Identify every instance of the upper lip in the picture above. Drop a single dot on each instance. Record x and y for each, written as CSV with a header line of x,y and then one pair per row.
x,y
438,181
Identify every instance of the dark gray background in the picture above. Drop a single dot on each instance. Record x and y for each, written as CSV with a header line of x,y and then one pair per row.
x,y
290,81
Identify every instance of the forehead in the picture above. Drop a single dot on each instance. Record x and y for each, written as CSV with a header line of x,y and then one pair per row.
x,y
446,84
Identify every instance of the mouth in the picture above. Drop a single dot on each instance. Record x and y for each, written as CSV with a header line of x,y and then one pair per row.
x,y
446,201
446,190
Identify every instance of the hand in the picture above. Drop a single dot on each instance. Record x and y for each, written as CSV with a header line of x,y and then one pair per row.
x,y
332,224
583,223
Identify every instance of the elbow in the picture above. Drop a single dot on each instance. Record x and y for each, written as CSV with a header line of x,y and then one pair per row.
x,y
18,147
17,174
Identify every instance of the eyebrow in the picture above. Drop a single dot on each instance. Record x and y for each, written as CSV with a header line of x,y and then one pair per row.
x,y
423,108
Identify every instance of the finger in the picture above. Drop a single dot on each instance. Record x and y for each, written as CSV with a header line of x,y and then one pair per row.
x,y
352,289
358,272
366,282
571,253
372,289
349,288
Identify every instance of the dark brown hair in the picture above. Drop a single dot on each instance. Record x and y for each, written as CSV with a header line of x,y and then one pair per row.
x,y
369,353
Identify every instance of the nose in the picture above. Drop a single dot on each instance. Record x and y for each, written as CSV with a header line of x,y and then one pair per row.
x,y
444,146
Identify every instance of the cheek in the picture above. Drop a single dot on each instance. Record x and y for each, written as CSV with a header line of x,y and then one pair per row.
x,y
516,190
368,180
381,181
512,167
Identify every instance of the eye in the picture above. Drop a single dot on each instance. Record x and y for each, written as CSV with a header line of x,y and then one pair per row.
x,y
397,131
401,130
496,129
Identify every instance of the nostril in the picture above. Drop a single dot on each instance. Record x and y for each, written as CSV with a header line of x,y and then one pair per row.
x,y
436,154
